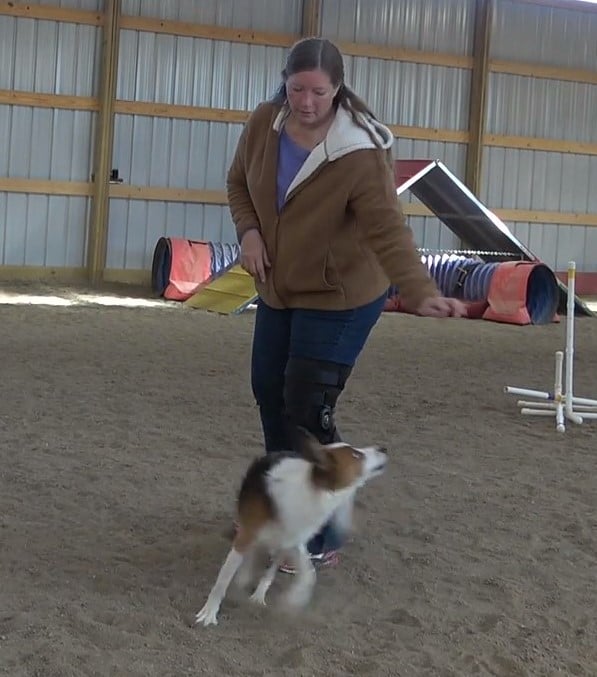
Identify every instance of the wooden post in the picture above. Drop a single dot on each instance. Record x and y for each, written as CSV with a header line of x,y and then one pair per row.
x,y
311,25
477,108
104,138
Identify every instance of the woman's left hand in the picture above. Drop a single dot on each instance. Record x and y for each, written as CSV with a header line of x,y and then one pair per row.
x,y
441,306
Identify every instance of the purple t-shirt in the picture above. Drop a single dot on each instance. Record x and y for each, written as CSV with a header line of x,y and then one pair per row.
x,y
291,158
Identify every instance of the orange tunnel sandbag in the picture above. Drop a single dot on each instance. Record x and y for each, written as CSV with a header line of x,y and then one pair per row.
x,y
191,265
181,266
514,292
522,292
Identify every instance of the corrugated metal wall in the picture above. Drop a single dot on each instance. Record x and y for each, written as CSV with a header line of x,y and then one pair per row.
x,y
434,25
152,151
63,58
530,106
403,93
260,15
44,143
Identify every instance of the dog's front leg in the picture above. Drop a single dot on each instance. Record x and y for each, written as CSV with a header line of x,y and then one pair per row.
x,y
246,572
209,613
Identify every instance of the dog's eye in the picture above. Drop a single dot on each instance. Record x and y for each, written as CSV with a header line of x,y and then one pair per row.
x,y
357,454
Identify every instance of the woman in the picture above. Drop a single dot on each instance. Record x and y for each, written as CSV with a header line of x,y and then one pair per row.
x,y
312,195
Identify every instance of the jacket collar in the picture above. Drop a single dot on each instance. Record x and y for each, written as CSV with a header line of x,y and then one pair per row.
x,y
343,137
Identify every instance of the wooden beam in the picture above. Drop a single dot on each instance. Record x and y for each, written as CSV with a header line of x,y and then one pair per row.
x,y
474,155
72,275
207,31
537,143
429,134
179,112
539,217
311,22
98,231
136,276
537,70
45,187
165,194
271,39
571,5
219,197
42,274
390,53
30,10
12,97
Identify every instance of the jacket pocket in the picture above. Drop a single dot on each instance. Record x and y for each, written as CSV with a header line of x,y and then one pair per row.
x,y
331,277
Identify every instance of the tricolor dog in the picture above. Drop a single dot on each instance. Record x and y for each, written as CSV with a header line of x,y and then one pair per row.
x,y
284,499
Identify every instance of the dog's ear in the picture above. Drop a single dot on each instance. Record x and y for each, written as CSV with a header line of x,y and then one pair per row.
x,y
304,442
309,447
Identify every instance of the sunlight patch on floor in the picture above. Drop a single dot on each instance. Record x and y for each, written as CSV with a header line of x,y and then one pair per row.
x,y
79,299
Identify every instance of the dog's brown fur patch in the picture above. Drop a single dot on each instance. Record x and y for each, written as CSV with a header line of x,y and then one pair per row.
x,y
254,512
337,468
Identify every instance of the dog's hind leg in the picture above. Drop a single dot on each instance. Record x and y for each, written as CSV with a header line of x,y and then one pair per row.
x,y
268,578
209,613
299,593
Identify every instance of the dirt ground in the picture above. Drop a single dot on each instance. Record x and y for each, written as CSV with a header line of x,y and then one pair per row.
x,y
124,433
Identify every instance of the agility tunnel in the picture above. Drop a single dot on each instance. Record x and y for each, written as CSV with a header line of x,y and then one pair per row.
x,y
206,275
515,292
181,266
201,274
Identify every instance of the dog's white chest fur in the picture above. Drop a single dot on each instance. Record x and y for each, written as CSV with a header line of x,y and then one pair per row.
x,y
301,508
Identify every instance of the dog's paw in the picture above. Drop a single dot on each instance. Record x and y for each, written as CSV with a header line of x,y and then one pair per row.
x,y
258,597
208,615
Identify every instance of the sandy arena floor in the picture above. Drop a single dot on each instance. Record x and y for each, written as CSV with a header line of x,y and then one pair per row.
x,y
123,436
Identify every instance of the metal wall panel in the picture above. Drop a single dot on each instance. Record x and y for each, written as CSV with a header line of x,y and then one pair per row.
x,y
557,244
173,153
48,57
197,72
434,25
136,226
526,179
404,93
543,34
544,108
262,15
541,181
177,154
43,143
50,145
42,230
180,153
555,109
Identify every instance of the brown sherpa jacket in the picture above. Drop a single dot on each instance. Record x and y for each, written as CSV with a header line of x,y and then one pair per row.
x,y
340,239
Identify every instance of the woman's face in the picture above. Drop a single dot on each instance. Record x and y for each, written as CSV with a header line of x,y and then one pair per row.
x,y
310,96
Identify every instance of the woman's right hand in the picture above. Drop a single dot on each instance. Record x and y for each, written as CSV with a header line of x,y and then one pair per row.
x,y
253,255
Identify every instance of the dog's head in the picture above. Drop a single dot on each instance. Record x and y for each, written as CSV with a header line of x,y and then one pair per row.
x,y
339,465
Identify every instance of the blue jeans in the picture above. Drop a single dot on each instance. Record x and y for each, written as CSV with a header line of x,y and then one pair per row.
x,y
332,337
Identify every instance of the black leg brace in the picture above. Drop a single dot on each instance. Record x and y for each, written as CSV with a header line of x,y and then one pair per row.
x,y
311,390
